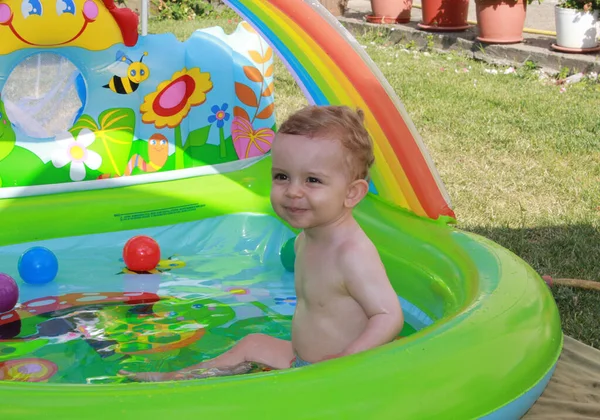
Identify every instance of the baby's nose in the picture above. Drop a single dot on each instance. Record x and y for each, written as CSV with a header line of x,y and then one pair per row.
x,y
294,190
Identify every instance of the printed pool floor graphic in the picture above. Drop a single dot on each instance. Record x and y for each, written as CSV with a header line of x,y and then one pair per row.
x,y
212,287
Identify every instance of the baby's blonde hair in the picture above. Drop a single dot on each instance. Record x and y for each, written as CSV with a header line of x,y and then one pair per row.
x,y
339,123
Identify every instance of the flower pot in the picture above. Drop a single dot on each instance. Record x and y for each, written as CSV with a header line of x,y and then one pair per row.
x,y
500,21
390,11
444,15
576,29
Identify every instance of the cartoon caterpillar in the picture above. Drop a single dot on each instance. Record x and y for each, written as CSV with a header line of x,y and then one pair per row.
x,y
158,152
128,74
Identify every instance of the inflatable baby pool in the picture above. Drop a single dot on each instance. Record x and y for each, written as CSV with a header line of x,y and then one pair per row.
x,y
170,139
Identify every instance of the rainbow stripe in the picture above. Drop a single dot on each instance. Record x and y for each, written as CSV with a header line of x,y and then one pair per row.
x,y
331,68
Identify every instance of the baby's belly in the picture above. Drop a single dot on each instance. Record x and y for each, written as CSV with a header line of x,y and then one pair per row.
x,y
325,331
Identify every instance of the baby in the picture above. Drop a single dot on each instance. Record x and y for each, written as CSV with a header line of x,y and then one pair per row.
x,y
345,302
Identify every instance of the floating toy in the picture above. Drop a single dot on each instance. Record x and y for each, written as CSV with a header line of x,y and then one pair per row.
x,y
141,253
288,254
486,333
38,265
9,293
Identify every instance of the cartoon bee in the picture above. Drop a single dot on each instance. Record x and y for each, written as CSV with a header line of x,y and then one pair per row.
x,y
128,74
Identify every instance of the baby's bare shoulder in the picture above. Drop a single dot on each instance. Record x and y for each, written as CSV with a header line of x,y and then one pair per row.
x,y
362,269
358,249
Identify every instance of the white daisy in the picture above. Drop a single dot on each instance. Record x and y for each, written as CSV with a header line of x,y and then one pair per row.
x,y
77,153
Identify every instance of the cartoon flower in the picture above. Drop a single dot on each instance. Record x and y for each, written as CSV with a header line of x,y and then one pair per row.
x,y
247,142
243,294
290,300
241,291
172,101
77,153
27,370
220,116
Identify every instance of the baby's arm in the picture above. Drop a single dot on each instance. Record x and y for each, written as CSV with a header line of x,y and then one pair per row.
x,y
367,282
297,241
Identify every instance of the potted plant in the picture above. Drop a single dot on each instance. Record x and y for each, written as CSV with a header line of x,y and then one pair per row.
x,y
501,21
390,11
444,15
576,25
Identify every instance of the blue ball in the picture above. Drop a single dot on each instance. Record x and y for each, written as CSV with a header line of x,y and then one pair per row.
x,y
38,265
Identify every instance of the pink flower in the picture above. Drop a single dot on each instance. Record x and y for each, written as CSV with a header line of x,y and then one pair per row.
x,y
248,142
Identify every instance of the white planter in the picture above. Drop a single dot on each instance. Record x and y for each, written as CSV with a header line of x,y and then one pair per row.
x,y
575,28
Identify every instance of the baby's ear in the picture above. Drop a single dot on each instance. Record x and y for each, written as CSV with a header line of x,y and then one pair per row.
x,y
357,190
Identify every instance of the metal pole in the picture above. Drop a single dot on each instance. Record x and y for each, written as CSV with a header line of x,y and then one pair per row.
x,y
144,17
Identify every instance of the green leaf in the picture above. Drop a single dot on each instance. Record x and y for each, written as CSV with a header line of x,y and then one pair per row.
x,y
114,136
85,121
210,154
22,167
198,137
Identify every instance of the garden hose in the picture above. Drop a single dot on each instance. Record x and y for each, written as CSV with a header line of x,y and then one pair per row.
x,y
581,284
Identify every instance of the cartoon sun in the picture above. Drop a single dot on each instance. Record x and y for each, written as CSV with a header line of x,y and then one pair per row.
x,y
91,24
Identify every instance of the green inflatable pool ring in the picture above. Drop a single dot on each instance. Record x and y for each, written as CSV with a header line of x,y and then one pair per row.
x,y
480,311
187,143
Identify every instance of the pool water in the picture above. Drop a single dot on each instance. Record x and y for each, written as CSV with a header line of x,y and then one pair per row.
x,y
219,279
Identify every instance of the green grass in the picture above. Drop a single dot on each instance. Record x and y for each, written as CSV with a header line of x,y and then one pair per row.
x,y
520,159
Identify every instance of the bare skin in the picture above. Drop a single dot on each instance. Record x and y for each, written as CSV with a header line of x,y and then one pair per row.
x,y
345,302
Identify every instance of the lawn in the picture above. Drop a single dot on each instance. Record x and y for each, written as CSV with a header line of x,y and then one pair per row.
x,y
520,156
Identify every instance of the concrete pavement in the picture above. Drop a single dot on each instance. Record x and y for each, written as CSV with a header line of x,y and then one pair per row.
x,y
536,45
539,16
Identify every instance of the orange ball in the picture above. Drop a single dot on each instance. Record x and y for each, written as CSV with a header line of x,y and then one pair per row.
x,y
141,253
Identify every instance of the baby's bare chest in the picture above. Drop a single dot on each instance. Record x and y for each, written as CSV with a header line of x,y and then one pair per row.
x,y
318,280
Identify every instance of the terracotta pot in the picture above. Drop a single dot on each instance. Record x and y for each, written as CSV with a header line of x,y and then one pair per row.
x,y
444,15
390,11
500,21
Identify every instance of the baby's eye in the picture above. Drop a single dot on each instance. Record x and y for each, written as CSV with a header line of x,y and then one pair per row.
x,y
313,180
280,177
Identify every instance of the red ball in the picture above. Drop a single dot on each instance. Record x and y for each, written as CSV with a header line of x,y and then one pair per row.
x,y
141,253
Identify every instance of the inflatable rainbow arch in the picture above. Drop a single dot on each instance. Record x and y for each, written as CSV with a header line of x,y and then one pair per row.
x,y
171,138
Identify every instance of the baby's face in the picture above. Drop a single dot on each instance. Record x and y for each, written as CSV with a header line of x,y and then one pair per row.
x,y
310,180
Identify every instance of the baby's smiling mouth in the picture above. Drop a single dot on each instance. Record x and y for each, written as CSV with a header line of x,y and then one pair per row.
x,y
295,209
